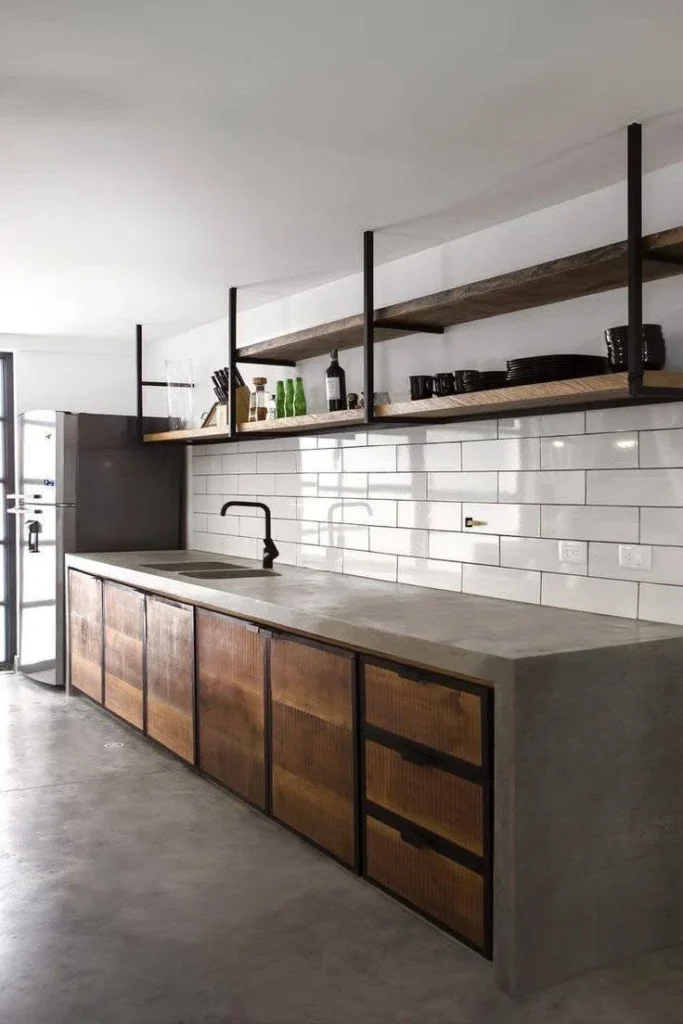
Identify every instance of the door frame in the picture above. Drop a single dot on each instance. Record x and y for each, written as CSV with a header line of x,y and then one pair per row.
x,y
8,480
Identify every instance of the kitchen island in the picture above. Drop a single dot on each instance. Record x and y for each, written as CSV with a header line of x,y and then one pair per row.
x,y
510,771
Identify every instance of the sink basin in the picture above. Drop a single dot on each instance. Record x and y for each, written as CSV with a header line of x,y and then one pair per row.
x,y
229,574
182,566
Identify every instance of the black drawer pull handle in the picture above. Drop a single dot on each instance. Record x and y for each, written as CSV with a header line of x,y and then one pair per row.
x,y
419,757
417,839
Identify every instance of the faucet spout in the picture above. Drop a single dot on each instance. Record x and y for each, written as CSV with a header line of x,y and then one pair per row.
x,y
270,551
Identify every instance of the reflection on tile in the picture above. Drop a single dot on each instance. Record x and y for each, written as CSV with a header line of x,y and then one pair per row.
x,y
342,485
398,542
659,526
311,556
378,459
522,453
585,522
327,460
547,487
590,451
464,547
543,425
430,515
322,509
368,563
344,535
297,484
661,603
661,448
462,486
429,457
494,581
636,417
402,486
428,572
370,511
589,594
635,487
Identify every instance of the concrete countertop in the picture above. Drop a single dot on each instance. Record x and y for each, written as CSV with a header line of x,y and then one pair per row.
x,y
480,637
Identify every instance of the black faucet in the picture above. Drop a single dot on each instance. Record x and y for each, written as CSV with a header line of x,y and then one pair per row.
x,y
270,552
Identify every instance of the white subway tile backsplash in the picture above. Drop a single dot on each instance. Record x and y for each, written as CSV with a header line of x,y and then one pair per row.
x,y
543,425
661,448
297,484
428,572
659,526
515,520
661,603
464,547
257,483
541,554
371,511
494,581
342,485
546,487
344,535
587,522
314,556
321,509
381,459
275,462
590,451
462,486
512,453
635,417
325,460
398,542
635,487
399,486
434,457
391,504
474,430
371,564
430,515
589,594
666,564
242,547
240,463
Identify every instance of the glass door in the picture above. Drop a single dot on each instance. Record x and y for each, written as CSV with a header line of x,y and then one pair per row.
x,y
8,550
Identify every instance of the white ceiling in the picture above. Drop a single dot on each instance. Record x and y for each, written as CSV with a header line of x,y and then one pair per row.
x,y
155,151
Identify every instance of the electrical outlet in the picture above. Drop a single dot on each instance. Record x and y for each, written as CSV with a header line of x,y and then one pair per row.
x,y
573,552
635,556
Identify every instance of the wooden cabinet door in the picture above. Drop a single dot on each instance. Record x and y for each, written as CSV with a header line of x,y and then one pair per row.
x,y
231,704
313,777
124,622
170,675
85,634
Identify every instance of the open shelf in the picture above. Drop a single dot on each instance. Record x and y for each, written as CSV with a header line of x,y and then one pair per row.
x,y
584,273
560,394
310,423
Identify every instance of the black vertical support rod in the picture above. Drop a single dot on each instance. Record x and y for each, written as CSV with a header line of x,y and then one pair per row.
x,y
369,325
634,184
138,371
232,360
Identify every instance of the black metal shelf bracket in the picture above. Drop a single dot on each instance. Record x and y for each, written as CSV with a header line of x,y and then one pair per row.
x,y
232,360
411,326
369,326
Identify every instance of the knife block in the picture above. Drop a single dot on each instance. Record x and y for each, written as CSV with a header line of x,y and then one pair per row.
x,y
218,414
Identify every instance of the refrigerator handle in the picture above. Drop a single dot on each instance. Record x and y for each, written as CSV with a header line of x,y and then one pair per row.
x,y
35,528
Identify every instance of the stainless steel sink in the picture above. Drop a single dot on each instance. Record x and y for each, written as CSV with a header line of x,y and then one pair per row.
x,y
182,566
229,574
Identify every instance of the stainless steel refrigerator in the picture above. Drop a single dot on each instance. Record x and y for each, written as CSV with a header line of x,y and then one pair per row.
x,y
84,483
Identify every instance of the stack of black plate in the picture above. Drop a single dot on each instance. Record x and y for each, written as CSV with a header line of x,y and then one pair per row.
x,y
479,380
539,369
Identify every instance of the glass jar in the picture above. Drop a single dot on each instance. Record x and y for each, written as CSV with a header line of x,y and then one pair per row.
x,y
258,403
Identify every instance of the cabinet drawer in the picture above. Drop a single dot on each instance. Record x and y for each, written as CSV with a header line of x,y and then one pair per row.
x,y
438,886
85,634
170,675
425,709
443,803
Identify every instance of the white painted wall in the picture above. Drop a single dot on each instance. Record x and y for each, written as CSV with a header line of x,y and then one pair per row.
x,y
350,468
72,374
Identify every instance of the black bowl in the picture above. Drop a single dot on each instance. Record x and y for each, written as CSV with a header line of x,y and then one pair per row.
x,y
653,347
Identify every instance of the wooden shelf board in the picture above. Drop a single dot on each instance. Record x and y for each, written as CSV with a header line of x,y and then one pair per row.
x,y
293,424
583,273
559,393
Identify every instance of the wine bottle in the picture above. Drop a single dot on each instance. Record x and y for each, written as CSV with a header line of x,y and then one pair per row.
x,y
280,400
289,397
335,384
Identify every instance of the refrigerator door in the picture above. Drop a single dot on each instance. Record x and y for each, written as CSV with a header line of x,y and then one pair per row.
x,y
37,592
37,462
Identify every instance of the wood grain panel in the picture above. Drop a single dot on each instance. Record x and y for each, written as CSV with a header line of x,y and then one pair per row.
x,y
439,716
432,883
316,680
313,781
446,804
582,273
170,675
85,633
230,704
124,612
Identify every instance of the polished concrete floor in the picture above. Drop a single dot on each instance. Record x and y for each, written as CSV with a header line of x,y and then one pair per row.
x,y
134,892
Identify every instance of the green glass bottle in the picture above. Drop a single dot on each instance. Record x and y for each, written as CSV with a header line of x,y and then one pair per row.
x,y
289,397
280,400
299,398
